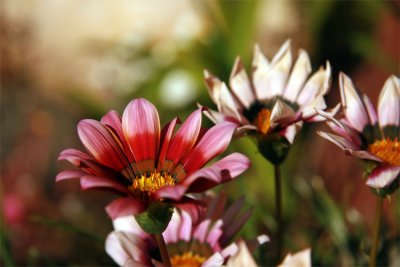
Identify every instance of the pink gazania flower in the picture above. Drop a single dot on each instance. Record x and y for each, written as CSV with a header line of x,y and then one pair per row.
x,y
134,158
367,134
201,240
277,100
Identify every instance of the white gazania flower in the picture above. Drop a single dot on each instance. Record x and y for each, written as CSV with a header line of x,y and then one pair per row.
x,y
276,101
369,135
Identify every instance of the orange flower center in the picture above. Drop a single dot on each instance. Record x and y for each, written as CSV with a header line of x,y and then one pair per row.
x,y
262,121
150,183
387,150
187,259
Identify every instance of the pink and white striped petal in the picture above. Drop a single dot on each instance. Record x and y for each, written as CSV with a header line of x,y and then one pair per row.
x,y
166,136
290,131
353,106
171,192
185,138
389,103
382,176
240,84
373,117
125,206
298,76
213,143
69,174
341,142
102,145
141,127
281,114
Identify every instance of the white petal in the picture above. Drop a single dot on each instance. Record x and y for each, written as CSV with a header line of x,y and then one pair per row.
x,y
383,176
299,259
260,66
282,113
298,76
240,84
389,103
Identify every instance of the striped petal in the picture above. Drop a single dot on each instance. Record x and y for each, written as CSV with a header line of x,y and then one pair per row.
x,y
213,143
141,127
282,113
69,174
382,176
124,206
352,104
240,84
166,135
102,145
173,192
298,76
185,138
96,182
113,120
341,142
389,103
373,118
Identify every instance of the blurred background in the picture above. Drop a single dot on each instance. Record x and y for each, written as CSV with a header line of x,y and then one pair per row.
x,y
62,61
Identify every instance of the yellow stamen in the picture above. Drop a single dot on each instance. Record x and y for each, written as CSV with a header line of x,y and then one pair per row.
x,y
187,259
262,120
151,183
387,150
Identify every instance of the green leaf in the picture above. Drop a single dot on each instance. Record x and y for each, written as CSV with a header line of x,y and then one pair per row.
x,y
156,218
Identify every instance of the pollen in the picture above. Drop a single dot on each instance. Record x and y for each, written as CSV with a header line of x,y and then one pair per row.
x,y
387,150
263,121
151,182
188,259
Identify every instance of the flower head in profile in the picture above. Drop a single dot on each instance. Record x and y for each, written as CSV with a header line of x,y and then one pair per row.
x,y
145,164
275,103
196,238
369,135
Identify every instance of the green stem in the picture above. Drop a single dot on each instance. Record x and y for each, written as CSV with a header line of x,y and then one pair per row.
x,y
163,249
278,211
376,232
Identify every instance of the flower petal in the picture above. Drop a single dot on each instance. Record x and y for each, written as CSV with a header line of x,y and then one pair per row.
x,y
220,172
240,84
318,84
242,257
185,138
353,106
298,76
69,174
171,192
128,224
166,135
373,118
102,145
141,126
260,68
389,103
300,259
382,176
96,182
341,142
282,113
290,131
125,206
213,143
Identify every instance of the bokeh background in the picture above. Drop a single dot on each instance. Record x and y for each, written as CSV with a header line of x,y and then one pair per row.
x,y
62,61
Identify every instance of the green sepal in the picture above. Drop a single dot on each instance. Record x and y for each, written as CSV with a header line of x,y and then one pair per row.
x,y
156,218
274,148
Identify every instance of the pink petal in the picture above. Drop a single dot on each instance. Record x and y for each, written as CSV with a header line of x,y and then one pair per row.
x,y
165,138
373,118
341,142
96,182
69,174
352,104
128,224
213,143
235,163
124,206
172,192
389,103
298,76
282,113
240,84
215,260
214,235
235,226
113,120
171,234
185,138
232,211
201,230
100,143
141,126
290,131
185,231
382,176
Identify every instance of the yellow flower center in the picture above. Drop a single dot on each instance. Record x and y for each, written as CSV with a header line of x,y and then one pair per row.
x,y
262,121
187,259
151,182
387,150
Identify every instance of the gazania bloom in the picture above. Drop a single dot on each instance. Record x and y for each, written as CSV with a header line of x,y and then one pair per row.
x,y
367,134
276,101
133,157
190,240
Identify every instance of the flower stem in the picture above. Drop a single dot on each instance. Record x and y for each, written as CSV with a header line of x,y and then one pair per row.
x,y
278,211
163,249
376,231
